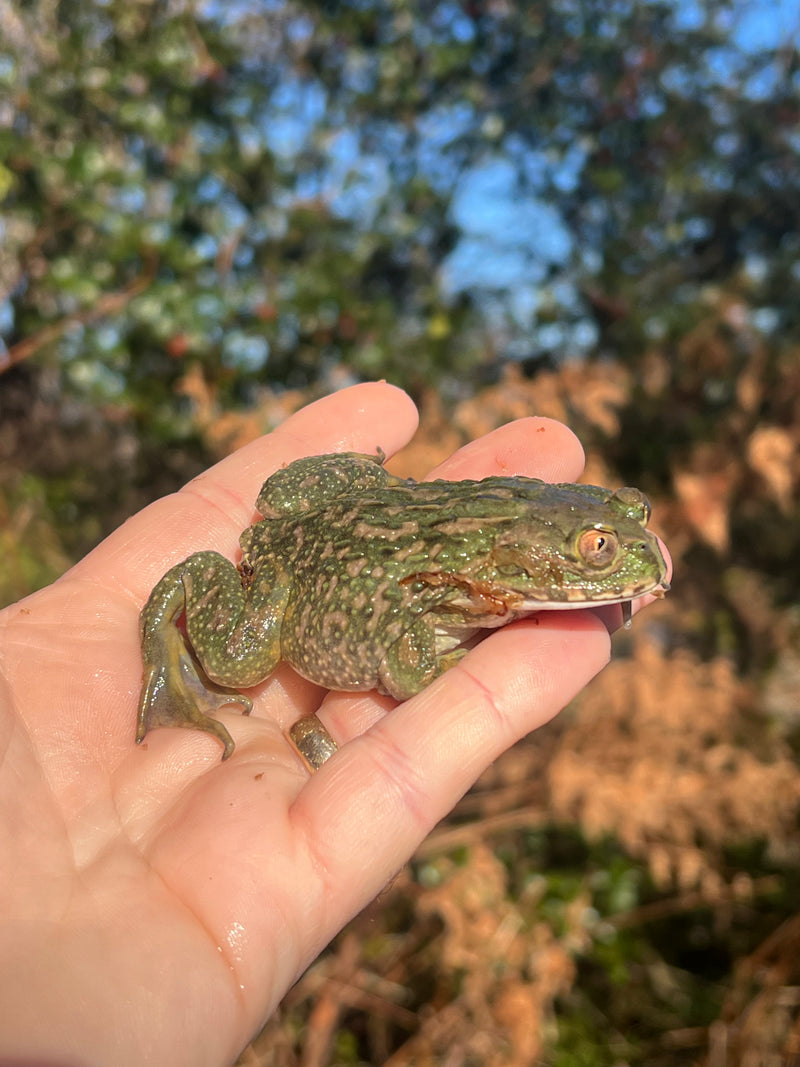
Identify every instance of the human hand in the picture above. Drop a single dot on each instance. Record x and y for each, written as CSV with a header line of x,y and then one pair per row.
x,y
156,903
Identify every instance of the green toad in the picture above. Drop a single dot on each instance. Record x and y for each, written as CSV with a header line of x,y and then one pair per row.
x,y
362,580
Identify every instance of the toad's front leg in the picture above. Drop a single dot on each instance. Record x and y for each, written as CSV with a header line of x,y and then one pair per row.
x,y
413,661
232,639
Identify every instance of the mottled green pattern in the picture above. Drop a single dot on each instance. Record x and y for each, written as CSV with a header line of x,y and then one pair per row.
x,y
361,580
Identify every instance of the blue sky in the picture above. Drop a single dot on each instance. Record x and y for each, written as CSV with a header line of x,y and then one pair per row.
x,y
516,253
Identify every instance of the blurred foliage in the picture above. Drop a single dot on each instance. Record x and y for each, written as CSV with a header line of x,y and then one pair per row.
x,y
211,212
416,191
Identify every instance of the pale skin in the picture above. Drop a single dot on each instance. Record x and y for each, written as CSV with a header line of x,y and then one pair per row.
x,y
156,903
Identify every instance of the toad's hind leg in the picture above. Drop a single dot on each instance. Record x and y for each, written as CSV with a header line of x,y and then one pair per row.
x,y
232,641
310,483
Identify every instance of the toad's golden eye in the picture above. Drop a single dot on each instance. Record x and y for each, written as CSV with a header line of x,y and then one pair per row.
x,y
597,547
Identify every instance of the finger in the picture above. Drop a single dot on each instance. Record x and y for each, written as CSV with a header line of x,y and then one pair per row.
x,y
536,447
363,418
213,509
367,809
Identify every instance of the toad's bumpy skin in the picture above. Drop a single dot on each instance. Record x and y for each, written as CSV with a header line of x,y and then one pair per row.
x,y
361,580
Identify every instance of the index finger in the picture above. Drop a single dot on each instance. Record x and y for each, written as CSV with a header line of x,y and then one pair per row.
x,y
212,510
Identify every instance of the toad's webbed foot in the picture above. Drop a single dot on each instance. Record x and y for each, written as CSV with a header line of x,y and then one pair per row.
x,y
177,692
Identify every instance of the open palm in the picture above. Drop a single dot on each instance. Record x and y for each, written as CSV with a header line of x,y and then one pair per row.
x,y
156,903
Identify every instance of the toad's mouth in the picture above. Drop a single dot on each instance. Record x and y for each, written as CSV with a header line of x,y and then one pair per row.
x,y
461,625
502,601
575,598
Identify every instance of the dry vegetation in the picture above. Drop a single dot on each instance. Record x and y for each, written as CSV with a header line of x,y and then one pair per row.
x,y
621,887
